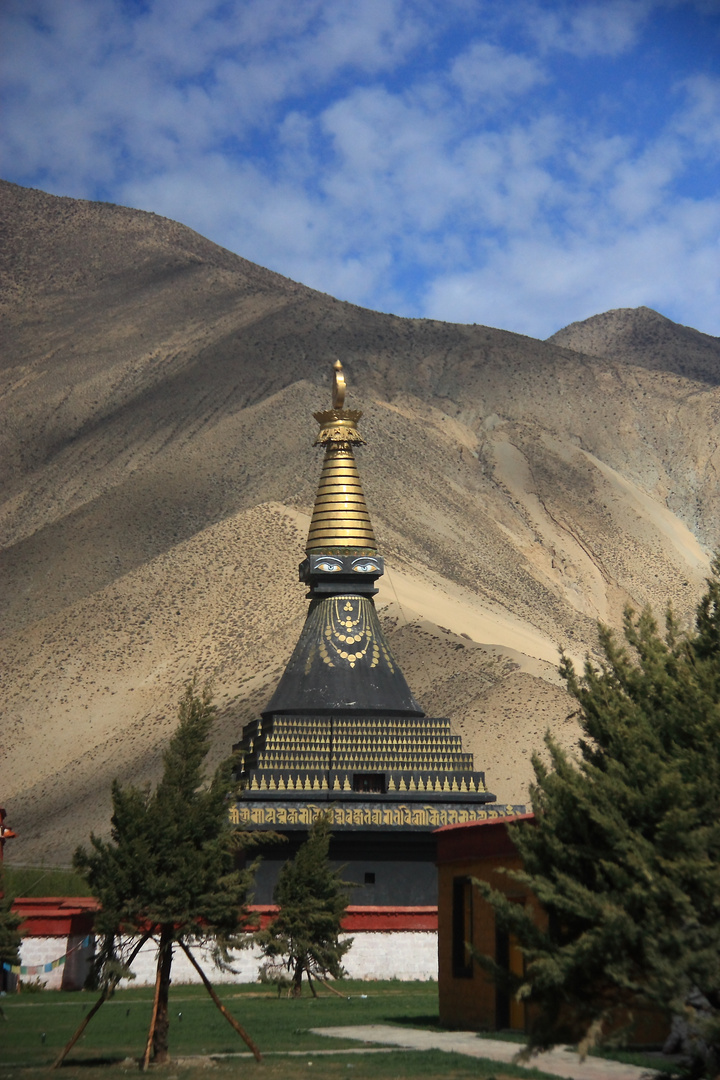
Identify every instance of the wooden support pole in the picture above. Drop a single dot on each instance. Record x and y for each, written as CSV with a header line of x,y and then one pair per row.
x,y
230,1019
153,1019
329,987
107,992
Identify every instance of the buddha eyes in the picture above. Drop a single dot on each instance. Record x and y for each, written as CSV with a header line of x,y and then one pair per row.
x,y
330,565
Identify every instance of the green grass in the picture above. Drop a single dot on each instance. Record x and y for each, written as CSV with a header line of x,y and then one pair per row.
x,y
115,1038
388,1065
43,881
646,1060
120,1027
117,1034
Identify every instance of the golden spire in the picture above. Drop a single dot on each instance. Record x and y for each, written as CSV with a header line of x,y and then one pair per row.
x,y
340,517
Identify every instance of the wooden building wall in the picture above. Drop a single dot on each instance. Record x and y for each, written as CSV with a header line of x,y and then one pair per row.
x,y
468,997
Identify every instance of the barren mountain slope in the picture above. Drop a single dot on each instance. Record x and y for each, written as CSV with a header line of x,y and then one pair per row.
x,y
157,470
647,339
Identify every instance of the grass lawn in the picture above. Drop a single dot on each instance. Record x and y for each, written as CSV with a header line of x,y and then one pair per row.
x,y
38,1025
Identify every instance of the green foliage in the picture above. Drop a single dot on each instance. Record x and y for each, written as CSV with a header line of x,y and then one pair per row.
x,y
312,902
169,861
169,866
625,852
9,923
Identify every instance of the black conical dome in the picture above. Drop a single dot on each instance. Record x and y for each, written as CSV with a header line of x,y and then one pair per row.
x,y
342,663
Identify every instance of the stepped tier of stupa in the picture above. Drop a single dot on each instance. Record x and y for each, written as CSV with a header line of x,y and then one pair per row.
x,y
343,734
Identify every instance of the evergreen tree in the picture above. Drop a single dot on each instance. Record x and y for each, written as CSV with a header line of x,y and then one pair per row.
x,y
9,933
312,902
169,867
625,852
9,921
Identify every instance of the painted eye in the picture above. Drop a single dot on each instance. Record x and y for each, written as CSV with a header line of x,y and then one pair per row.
x,y
366,568
328,567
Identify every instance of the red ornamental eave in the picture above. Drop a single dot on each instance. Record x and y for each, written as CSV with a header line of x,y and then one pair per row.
x,y
56,916
359,919
477,839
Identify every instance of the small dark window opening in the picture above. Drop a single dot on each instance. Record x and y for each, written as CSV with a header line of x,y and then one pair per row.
x,y
374,782
369,877
462,928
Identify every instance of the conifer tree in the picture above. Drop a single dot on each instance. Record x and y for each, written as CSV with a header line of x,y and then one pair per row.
x,y
625,852
312,901
9,920
169,867
9,923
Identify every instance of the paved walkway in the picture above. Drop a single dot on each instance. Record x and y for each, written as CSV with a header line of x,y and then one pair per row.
x,y
558,1062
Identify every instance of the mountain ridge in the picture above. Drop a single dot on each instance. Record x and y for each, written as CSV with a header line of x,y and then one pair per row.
x,y
157,473
633,335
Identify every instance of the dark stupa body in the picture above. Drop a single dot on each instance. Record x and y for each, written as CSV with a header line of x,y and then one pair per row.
x,y
342,734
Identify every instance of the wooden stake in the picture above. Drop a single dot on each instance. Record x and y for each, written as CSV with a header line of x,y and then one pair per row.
x,y
230,1019
329,987
107,992
153,1018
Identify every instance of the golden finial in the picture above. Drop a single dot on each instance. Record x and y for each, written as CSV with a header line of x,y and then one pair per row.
x,y
338,425
340,517
339,385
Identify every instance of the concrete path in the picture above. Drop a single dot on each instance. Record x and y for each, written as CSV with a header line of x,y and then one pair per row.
x,y
558,1062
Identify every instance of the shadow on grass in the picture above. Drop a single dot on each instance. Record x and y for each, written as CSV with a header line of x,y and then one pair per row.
x,y
430,1022
95,1062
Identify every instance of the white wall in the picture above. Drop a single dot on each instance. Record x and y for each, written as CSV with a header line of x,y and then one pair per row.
x,y
375,954
393,954
43,950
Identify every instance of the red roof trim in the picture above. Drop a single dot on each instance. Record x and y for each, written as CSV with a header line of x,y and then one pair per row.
x,y
478,839
359,919
55,916
485,824
58,916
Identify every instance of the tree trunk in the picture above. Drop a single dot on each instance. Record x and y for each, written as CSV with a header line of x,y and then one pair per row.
x,y
230,1019
297,978
107,992
160,1023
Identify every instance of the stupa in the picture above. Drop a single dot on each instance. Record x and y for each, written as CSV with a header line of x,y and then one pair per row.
x,y
342,734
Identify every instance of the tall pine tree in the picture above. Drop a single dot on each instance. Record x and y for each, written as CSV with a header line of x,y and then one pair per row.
x,y
9,933
169,867
625,852
312,901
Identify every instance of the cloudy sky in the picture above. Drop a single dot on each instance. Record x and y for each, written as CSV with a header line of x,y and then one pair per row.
x,y
518,163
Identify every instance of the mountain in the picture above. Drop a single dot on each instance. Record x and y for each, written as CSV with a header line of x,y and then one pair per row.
x,y
642,337
157,472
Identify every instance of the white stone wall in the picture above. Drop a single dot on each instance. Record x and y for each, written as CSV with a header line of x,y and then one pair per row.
x,y
375,954
43,950
246,963
393,954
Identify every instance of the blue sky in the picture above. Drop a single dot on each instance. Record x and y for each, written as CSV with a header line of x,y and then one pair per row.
x,y
521,164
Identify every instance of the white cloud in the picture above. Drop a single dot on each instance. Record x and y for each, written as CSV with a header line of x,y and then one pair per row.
x,y
640,183
350,147
488,71
699,118
537,287
597,28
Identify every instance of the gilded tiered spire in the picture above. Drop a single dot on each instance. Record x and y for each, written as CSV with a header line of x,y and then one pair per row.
x,y
342,726
340,516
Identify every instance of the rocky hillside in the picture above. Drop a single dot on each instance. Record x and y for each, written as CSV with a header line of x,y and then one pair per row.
x,y
157,473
